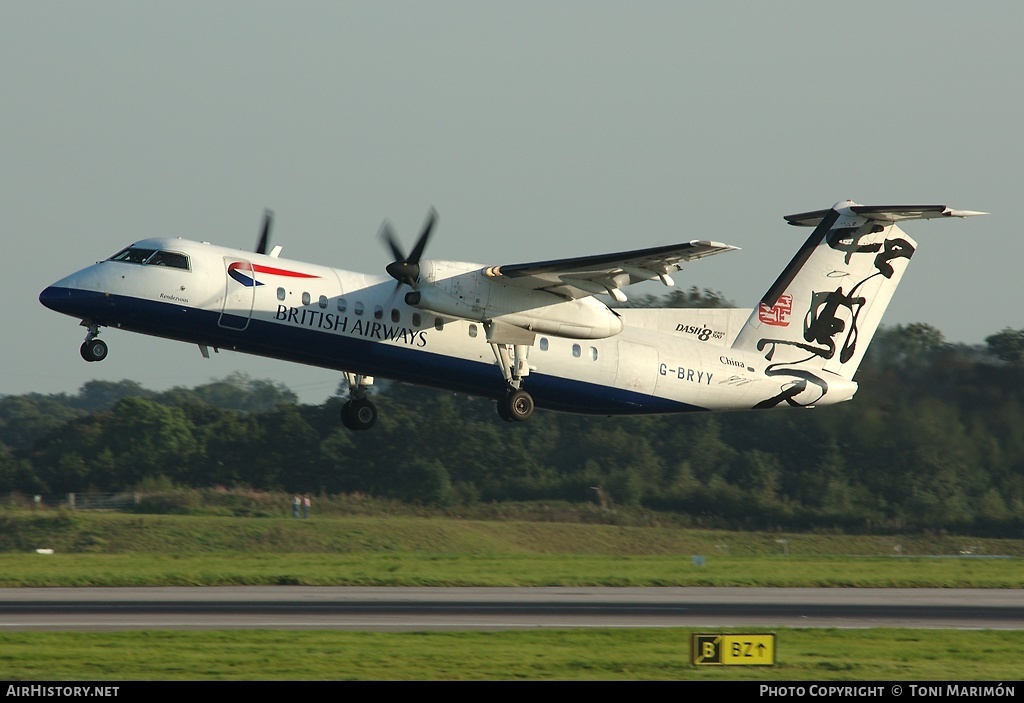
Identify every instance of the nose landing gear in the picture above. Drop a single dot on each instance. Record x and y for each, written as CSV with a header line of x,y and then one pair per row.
x,y
93,349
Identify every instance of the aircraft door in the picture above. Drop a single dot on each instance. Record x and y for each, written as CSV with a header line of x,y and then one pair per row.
x,y
637,369
239,294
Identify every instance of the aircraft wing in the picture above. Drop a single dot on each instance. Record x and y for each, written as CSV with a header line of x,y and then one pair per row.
x,y
606,273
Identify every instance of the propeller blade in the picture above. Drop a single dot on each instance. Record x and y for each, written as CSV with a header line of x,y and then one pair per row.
x,y
394,292
421,243
406,269
261,245
388,235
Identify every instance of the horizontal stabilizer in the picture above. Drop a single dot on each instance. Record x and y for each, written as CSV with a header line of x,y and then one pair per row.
x,y
883,213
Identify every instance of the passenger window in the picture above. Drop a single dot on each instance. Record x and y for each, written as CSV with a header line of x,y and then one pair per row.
x,y
305,298
417,320
472,330
593,353
438,324
280,293
323,301
342,305
396,316
378,312
543,343
576,351
359,308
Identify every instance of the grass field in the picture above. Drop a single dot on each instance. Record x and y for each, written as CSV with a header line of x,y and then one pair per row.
x,y
112,549
554,655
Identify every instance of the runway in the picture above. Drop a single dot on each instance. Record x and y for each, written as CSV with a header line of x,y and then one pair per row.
x,y
420,609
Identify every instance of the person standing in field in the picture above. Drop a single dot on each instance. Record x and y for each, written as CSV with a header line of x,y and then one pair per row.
x,y
305,506
296,504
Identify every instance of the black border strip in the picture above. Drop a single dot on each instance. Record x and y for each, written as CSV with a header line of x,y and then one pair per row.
x,y
790,272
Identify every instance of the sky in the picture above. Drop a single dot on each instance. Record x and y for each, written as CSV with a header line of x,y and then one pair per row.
x,y
538,130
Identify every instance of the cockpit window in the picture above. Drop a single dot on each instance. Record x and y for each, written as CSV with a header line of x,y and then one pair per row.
x,y
133,255
152,257
169,258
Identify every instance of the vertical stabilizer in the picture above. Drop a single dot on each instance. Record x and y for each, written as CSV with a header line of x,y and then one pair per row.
x,y
815,322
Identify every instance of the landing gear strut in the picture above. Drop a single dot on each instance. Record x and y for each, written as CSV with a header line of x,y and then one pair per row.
x,y
358,413
517,405
93,349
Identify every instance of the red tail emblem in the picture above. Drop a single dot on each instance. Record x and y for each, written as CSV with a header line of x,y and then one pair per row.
x,y
777,314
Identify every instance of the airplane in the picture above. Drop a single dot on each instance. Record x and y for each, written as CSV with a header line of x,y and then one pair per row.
x,y
527,335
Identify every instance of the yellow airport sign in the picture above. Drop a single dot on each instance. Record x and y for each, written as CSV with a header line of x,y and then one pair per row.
x,y
732,649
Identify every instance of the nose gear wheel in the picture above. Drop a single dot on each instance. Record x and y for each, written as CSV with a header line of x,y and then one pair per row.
x,y
93,349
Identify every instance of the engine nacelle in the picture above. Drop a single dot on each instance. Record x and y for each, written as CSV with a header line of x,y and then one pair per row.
x,y
473,296
431,299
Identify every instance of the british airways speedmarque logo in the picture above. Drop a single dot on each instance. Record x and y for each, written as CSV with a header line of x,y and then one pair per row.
x,y
243,272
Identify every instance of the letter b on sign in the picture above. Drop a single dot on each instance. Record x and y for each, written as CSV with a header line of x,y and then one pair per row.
x,y
705,649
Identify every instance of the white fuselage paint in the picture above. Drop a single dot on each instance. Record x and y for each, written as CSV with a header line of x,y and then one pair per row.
x,y
669,355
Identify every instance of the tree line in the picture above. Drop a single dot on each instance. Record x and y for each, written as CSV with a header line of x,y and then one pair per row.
x,y
934,440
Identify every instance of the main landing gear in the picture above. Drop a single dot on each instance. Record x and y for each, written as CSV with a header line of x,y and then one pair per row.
x,y
358,413
517,405
93,349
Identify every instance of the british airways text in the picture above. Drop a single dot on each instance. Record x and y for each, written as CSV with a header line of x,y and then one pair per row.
x,y
340,323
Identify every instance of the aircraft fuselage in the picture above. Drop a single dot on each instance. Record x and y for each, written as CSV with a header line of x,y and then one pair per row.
x,y
651,362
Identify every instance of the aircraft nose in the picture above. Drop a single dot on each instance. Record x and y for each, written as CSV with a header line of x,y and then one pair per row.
x,y
55,297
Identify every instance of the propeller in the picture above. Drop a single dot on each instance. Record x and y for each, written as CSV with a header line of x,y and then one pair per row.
x,y
406,269
261,245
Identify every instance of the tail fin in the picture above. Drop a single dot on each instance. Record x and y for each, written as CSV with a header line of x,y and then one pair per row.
x,y
817,319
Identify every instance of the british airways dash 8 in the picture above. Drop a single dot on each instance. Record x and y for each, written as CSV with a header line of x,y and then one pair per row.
x,y
526,335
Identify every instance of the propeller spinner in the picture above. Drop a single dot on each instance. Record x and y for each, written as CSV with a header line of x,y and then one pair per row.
x,y
406,269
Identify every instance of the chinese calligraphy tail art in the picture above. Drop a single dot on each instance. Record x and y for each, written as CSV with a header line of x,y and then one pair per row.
x,y
814,324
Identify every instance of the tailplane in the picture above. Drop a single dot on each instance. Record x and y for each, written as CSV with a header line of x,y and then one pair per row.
x,y
817,319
